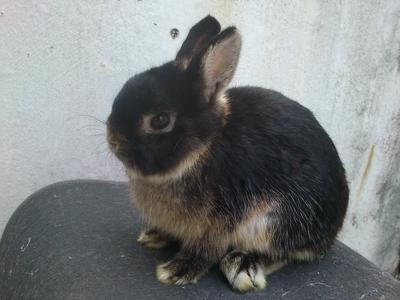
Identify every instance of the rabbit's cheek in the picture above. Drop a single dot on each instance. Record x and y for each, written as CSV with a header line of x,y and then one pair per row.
x,y
186,165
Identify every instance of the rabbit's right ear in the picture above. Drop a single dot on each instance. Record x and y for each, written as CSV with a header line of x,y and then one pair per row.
x,y
199,37
213,69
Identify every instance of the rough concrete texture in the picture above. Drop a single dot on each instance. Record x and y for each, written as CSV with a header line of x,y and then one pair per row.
x,y
63,60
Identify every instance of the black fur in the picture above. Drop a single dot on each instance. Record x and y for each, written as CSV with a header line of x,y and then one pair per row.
x,y
199,37
274,145
160,89
264,148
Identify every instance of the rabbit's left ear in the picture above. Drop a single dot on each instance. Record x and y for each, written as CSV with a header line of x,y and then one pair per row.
x,y
215,66
198,38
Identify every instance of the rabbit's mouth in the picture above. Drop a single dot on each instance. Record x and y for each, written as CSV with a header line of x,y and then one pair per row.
x,y
118,146
114,140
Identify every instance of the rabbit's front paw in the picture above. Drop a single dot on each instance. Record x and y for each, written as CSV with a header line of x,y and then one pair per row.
x,y
154,239
182,270
243,271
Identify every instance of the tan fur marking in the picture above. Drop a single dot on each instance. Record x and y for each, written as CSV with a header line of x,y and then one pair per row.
x,y
165,207
167,275
223,105
152,240
181,63
254,232
304,255
273,267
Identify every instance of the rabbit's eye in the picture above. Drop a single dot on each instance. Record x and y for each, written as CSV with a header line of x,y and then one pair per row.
x,y
160,121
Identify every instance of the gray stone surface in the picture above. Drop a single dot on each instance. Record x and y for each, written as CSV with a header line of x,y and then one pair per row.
x,y
77,240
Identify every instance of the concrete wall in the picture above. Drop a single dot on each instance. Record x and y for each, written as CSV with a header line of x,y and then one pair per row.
x,y
63,60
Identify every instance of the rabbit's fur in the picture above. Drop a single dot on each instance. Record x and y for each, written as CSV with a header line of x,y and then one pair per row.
x,y
243,177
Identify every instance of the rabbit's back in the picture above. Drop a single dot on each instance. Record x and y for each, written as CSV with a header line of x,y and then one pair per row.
x,y
273,153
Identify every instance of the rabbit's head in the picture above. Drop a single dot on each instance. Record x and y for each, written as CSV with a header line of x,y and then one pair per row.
x,y
164,119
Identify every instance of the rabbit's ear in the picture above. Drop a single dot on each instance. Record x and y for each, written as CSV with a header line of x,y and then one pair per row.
x,y
216,65
199,37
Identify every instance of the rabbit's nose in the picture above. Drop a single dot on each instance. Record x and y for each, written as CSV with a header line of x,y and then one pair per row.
x,y
112,140
114,146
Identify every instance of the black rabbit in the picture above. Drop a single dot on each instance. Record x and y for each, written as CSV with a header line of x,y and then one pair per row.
x,y
243,177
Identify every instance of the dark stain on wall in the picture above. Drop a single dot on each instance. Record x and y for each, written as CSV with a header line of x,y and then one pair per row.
x,y
174,33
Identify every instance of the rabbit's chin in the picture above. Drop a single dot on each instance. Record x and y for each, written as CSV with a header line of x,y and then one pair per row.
x,y
185,167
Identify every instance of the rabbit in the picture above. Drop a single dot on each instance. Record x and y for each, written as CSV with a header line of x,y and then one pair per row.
x,y
242,177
